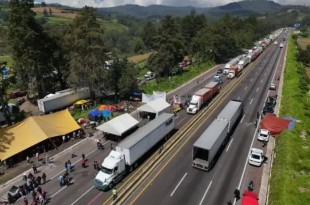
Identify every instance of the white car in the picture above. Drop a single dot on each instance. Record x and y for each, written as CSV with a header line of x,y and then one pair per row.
x,y
272,86
263,135
256,157
281,45
276,42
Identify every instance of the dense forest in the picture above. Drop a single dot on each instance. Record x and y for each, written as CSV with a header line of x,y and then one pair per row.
x,y
50,57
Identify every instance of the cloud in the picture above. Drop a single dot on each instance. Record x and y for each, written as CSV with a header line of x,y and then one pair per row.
x,y
194,3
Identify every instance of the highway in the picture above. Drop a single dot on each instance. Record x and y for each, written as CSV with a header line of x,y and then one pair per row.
x,y
179,183
175,181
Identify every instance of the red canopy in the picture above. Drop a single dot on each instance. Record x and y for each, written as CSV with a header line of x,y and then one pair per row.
x,y
274,124
249,198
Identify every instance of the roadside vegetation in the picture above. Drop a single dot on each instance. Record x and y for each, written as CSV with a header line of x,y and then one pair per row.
x,y
290,179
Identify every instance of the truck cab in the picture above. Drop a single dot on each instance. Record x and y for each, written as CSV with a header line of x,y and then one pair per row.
x,y
194,105
112,170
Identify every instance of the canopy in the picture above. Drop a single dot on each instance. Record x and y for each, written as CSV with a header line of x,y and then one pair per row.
x,y
34,130
94,113
274,124
249,198
155,106
81,102
119,125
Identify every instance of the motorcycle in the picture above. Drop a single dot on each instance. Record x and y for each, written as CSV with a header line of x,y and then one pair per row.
x,y
100,146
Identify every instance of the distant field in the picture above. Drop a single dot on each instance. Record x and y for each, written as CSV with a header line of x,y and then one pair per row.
x,y
303,42
57,12
139,58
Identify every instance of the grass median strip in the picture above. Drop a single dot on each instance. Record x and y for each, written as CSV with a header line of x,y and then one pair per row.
x,y
290,179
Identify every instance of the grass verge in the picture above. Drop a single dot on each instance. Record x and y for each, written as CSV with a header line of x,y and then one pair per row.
x,y
166,84
290,179
7,59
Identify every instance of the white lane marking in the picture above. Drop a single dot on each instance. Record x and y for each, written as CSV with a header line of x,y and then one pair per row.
x,y
83,195
238,98
204,195
261,81
178,184
177,117
257,89
58,191
245,87
229,144
251,80
251,101
77,161
242,119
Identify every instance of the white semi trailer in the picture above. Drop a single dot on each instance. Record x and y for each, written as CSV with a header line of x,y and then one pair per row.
x,y
130,151
209,143
62,99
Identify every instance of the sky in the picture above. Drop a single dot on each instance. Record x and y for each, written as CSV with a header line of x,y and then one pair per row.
x,y
194,3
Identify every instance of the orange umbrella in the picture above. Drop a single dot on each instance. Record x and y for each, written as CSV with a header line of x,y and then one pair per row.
x,y
103,107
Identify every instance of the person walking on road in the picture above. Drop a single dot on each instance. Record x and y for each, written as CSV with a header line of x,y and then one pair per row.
x,y
34,169
114,192
83,156
44,178
25,201
237,193
38,156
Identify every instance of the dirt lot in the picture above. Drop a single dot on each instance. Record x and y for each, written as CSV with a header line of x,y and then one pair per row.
x,y
57,12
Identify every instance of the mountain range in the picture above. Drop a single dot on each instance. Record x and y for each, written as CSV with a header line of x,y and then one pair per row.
x,y
242,8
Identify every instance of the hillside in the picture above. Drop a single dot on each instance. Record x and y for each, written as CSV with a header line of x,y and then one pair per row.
x,y
243,8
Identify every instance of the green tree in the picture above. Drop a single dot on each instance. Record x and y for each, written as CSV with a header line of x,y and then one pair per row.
x,y
85,44
30,48
170,48
149,35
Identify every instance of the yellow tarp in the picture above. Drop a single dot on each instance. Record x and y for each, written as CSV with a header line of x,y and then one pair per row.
x,y
34,130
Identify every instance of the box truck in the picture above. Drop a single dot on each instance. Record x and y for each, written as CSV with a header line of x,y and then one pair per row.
x,y
209,143
231,63
243,62
199,98
130,151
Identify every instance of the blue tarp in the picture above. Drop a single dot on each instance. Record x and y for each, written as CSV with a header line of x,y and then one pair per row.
x,y
106,113
94,113
4,71
292,122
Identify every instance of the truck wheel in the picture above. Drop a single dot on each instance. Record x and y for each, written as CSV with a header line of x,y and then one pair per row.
x,y
111,185
135,165
130,169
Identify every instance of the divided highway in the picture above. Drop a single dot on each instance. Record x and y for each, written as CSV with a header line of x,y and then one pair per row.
x,y
174,181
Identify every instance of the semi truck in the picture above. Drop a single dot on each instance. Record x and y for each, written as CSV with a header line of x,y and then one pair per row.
x,y
199,98
62,99
233,72
131,151
243,62
214,87
207,146
231,63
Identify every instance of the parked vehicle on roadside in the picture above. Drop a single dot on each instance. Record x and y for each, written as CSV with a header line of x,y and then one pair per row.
x,y
263,135
256,157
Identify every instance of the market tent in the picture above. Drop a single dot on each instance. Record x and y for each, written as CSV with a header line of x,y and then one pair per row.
x,y
34,130
81,102
119,125
274,124
249,198
155,106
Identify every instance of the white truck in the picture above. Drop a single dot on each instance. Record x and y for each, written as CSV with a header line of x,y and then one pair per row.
x,y
231,63
209,143
130,151
243,62
199,98
62,99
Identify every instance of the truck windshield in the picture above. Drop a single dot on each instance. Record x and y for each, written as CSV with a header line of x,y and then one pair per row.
x,y
106,170
194,104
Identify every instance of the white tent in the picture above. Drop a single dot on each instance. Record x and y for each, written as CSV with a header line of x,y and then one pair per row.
x,y
155,106
118,125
